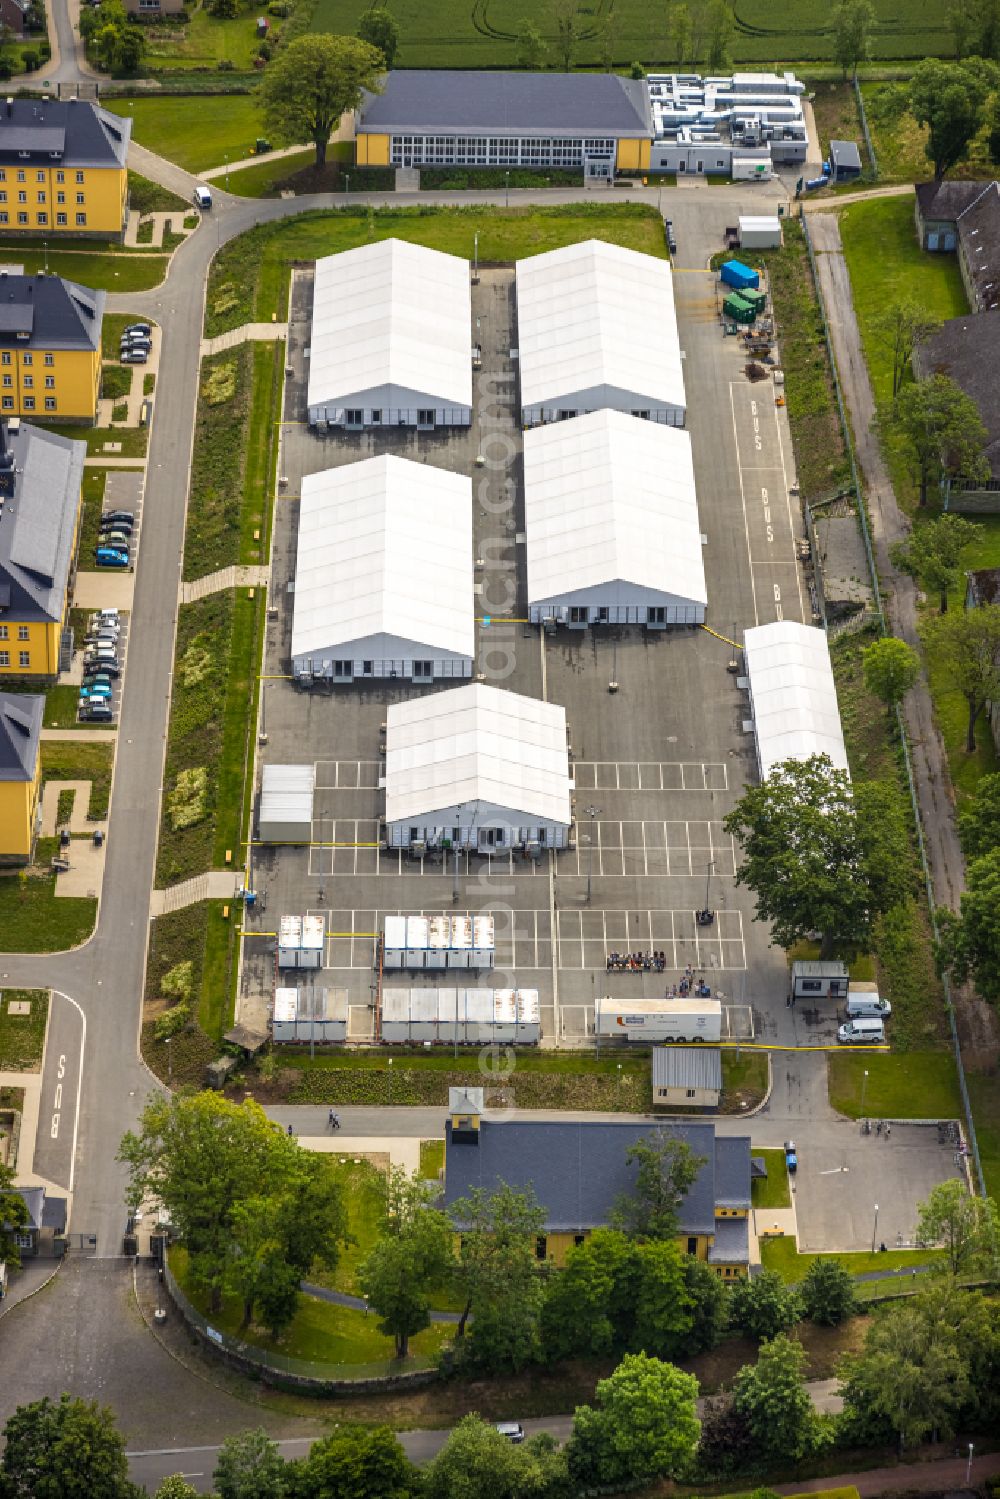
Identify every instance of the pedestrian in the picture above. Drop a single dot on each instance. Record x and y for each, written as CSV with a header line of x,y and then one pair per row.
x,y
888,1128
788,1001
878,1127
331,1119
290,1131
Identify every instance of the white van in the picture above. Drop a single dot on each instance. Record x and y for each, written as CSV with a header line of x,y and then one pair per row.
x,y
864,1032
202,197
869,1005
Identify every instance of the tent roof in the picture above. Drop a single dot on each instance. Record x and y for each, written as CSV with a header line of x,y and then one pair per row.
x,y
794,696
384,548
594,314
611,497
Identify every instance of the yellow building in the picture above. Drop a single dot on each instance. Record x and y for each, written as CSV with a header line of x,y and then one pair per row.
x,y
63,168
41,479
578,1170
596,124
50,348
20,774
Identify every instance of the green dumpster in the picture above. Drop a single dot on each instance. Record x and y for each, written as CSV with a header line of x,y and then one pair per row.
x,y
738,309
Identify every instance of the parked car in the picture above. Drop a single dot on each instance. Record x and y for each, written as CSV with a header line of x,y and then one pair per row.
x,y
111,557
141,330
791,1157
126,517
104,616
108,669
97,681
135,340
116,538
512,1430
115,523
134,356
671,240
97,713
96,690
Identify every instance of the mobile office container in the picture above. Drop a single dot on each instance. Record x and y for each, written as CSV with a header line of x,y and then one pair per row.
x,y
819,980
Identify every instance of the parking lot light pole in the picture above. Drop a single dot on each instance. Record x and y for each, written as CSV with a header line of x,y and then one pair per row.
x,y
875,1229
968,1466
864,1090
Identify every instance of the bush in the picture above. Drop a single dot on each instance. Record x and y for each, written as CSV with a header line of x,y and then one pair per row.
x,y
198,661
178,982
226,65
828,1293
220,384
187,804
763,1307
30,59
172,1022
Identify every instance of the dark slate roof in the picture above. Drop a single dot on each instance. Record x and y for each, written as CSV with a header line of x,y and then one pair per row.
x,y
54,1213
20,731
62,133
38,522
732,1171
758,1168
979,237
578,1168
845,154
34,1198
54,312
732,1242
687,1067
984,585
966,349
511,103
945,200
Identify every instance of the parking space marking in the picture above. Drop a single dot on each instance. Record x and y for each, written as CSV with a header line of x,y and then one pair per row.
x,y
651,775
768,522
347,775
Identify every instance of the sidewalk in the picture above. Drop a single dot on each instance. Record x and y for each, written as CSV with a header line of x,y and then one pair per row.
x,y
933,1475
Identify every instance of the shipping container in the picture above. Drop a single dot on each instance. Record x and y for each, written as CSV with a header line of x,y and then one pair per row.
x,y
660,1019
737,310
735,274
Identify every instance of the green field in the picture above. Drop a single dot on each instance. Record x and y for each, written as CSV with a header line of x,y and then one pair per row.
x,y
33,920
196,133
913,1085
69,760
771,1191
782,1256
121,270
899,145
22,1037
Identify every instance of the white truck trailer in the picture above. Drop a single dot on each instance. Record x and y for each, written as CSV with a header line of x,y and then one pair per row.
x,y
651,1020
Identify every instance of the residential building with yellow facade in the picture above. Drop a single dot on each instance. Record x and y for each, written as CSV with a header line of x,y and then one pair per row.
x,y
594,123
20,774
578,1170
50,348
41,479
63,168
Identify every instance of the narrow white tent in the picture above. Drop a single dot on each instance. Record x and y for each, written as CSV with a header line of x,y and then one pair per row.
x,y
596,327
793,695
611,520
286,803
391,340
478,768
384,573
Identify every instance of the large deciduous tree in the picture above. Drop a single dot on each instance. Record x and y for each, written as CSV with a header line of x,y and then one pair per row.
x,y
249,1466
529,46
413,1256
904,325
979,822
821,854
909,1381
498,1275
377,26
64,1449
477,1462
665,1170
312,82
772,1398
13,1218
969,940
966,1227
566,25
942,430
933,552
588,1306
642,1427
968,649
764,1306
354,1462
890,668
948,98
828,1296
853,23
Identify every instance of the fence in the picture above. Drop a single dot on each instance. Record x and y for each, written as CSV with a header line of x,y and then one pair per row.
x,y
900,723
862,115
279,1368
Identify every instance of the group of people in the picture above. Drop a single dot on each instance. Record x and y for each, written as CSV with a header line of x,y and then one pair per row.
x,y
637,962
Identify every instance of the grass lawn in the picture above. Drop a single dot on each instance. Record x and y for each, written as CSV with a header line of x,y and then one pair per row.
x,y
782,1256
116,381
202,934
32,920
68,760
111,270
628,1091
149,197
431,1159
744,1080
771,1191
985,1096
212,537
132,440
912,1085
265,178
22,1037
195,132
249,278
93,500
836,111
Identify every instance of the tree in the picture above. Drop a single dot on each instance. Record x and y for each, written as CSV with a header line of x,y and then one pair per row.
x,y
968,649
969,941
176,1487
530,48
13,1218
312,82
763,1306
565,21
250,1466
377,26
643,1426
354,1462
588,1306
853,23
399,1273
65,1449
890,668
979,822
822,854
498,1275
719,24
477,1462
662,1312
909,1380
726,1445
772,1398
680,31
942,430
904,325
665,1171
608,34
933,552
961,25
966,1227
709,1301
948,98
828,1293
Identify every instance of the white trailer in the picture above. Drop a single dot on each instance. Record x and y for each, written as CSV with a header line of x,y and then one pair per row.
x,y
659,1019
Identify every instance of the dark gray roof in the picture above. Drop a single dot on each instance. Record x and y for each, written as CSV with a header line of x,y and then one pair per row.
x,y
845,154
54,1213
966,349
38,522
62,132
56,313
34,1198
578,1168
732,1171
945,200
510,103
979,238
984,585
687,1067
20,731
732,1242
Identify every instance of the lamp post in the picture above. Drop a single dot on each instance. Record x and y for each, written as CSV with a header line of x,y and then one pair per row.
x,y
864,1090
347,185
390,1089
507,190
968,1466
170,1063
618,1089
593,813
226,160
875,1229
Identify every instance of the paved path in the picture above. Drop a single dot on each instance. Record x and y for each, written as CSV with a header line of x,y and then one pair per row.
x,y
930,761
172,220
81,736
217,884
78,822
843,200
926,1474
100,462
261,332
218,582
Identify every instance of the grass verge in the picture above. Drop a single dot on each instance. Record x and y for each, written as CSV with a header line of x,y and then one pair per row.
x,y
911,1085
22,1037
149,197
69,760
221,434
33,920
202,935
431,1159
129,442
782,1256
772,1190
111,270
116,381
196,134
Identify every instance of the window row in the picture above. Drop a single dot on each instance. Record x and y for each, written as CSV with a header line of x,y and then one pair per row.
x,y
22,196
28,381
24,659
27,359
23,632
531,151
42,176
42,218
28,403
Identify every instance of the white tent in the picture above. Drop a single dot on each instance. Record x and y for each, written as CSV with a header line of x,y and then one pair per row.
x,y
611,518
477,767
391,341
793,695
597,327
286,803
384,573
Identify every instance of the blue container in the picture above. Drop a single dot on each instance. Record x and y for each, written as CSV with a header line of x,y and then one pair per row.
x,y
734,273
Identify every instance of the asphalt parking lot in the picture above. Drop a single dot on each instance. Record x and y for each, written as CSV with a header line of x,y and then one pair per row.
x,y
657,763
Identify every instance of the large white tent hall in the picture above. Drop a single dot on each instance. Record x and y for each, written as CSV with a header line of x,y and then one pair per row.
x,y
476,768
793,695
596,327
611,523
391,339
384,574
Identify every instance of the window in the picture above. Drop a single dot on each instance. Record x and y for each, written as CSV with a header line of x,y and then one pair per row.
x,y
22,632
41,197
3,175
22,218
564,416
49,359
353,417
643,415
367,667
22,197
79,177
60,176
541,1245
50,382
656,616
692,1246
3,632
690,1093
5,357
376,418
81,220
423,669
812,986
8,403
4,217
602,616
80,199
343,668
579,1239
24,658
29,381
20,176
23,1241
43,218
29,403
61,219
50,403
4,658
27,359
3,196
425,417
414,834
577,616
39,176
60,197
8,380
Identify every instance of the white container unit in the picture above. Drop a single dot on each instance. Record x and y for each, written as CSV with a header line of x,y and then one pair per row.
x,y
283,1014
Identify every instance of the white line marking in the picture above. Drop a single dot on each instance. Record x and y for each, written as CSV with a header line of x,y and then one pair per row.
x,y
743,502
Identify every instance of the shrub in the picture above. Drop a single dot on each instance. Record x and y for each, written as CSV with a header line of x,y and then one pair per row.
x,y
173,1021
220,384
30,59
187,804
198,661
178,981
226,65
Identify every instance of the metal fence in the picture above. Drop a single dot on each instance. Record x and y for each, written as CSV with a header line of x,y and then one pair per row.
x,y
900,723
862,115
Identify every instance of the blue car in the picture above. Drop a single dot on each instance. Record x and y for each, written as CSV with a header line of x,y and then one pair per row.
x,y
791,1156
94,692
111,557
